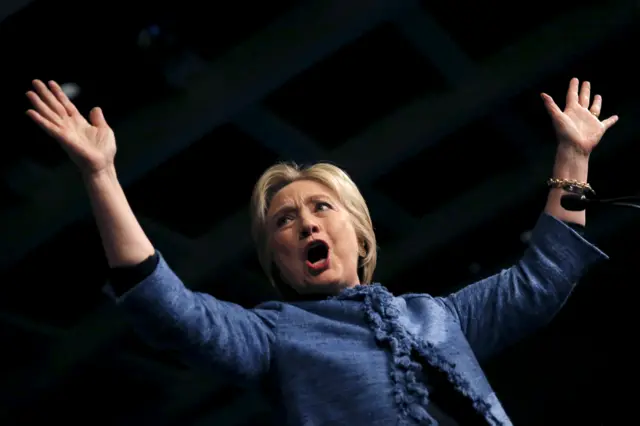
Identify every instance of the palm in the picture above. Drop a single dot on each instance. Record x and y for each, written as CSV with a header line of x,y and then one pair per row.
x,y
86,140
91,145
578,125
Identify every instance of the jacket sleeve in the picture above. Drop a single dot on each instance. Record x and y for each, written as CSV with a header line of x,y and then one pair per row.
x,y
207,332
499,310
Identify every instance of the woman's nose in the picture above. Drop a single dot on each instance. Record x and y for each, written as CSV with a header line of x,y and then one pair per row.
x,y
308,228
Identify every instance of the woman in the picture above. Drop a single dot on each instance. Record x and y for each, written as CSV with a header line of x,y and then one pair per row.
x,y
344,352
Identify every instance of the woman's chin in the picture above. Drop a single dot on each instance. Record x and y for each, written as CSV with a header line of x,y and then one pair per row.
x,y
325,284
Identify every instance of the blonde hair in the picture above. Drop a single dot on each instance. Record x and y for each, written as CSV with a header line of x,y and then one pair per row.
x,y
280,175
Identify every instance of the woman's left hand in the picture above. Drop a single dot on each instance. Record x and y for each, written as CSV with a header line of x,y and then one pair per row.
x,y
578,127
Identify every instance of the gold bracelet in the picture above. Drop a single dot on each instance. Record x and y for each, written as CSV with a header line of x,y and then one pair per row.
x,y
570,185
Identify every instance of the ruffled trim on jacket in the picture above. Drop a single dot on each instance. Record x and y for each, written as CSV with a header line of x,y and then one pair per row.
x,y
410,393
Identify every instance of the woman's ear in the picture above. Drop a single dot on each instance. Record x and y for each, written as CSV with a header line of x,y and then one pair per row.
x,y
362,250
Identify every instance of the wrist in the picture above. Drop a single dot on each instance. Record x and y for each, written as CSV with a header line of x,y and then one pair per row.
x,y
571,163
103,176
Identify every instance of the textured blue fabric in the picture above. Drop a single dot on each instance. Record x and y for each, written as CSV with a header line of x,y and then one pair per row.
x,y
359,358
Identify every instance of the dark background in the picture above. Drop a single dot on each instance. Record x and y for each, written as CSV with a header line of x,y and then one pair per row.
x,y
432,107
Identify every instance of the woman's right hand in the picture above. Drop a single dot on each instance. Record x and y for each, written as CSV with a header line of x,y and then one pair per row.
x,y
90,144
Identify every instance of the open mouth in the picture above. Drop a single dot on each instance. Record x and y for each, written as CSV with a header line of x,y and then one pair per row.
x,y
317,256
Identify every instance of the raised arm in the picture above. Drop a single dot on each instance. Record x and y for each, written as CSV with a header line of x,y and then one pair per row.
x,y
92,147
578,131
205,330
503,308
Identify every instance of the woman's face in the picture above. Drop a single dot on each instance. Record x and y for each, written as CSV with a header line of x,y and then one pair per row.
x,y
312,239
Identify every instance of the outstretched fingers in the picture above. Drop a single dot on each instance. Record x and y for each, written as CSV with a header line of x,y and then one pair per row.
x,y
63,99
585,94
42,108
552,108
49,99
572,92
96,117
596,106
50,107
47,125
609,122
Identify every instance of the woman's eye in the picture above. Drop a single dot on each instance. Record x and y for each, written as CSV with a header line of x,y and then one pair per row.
x,y
321,206
283,220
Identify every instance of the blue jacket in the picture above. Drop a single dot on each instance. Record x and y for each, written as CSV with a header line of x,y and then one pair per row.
x,y
365,357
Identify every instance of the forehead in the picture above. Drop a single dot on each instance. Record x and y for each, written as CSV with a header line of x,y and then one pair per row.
x,y
299,191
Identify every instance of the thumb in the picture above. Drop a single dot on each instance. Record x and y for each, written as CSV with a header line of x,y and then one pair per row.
x,y
553,109
97,118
